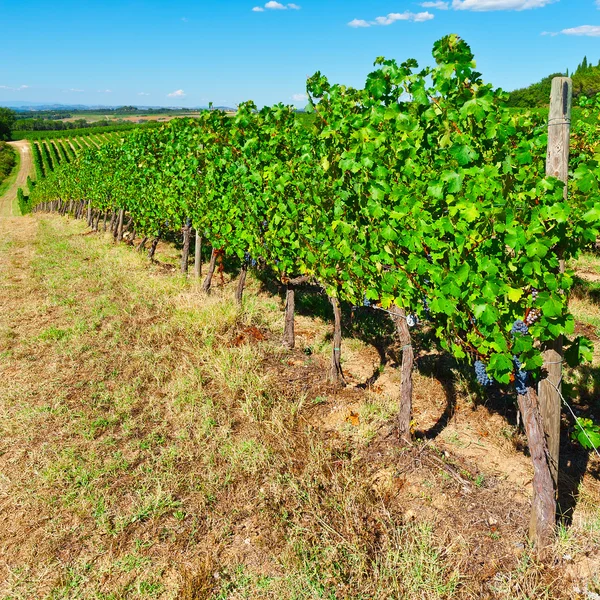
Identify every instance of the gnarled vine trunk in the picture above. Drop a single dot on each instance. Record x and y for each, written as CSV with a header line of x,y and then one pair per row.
x,y
211,269
543,509
239,292
142,244
153,248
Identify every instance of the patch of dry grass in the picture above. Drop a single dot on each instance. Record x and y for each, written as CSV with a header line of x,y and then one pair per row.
x,y
156,442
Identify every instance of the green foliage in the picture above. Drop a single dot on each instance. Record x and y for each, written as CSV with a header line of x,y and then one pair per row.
x,y
87,131
421,190
586,433
586,82
7,122
23,202
8,160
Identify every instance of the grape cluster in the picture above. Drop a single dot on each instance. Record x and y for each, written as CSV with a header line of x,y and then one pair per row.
x,y
481,373
520,377
519,327
426,305
534,294
412,320
532,316
367,302
249,260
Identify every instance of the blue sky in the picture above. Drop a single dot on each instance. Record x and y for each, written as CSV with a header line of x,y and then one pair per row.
x,y
187,53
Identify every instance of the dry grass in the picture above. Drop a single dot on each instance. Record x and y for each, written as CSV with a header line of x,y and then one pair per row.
x,y
157,443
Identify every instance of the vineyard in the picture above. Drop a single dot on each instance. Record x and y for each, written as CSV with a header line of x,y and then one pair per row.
x,y
82,133
420,197
56,151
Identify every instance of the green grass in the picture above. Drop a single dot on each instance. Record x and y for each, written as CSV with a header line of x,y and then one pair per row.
x,y
11,178
148,454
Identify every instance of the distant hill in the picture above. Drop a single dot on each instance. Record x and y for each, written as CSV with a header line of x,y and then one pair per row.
x,y
40,106
586,81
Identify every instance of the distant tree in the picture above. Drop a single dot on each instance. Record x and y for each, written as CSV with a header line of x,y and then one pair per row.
x,y
7,121
586,81
536,95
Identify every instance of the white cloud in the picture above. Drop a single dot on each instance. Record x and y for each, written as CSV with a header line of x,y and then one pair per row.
x,y
438,4
392,18
14,89
358,23
74,90
485,5
272,5
299,97
587,30
176,94
105,91
422,17
143,94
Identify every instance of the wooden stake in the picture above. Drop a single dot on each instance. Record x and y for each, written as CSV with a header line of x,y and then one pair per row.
x,y
404,416
557,165
198,256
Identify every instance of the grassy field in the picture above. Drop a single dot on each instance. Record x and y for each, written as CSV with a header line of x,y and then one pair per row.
x,y
93,117
10,179
156,442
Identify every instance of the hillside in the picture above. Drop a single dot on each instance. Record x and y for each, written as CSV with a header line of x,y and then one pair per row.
x,y
156,442
586,82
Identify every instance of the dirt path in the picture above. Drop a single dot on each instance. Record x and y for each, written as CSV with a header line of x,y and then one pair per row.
x,y
26,168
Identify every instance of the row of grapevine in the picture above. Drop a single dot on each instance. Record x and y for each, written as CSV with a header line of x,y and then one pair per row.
x,y
79,133
420,194
49,154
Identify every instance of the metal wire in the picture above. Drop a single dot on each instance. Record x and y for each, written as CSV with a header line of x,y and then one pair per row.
x,y
574,416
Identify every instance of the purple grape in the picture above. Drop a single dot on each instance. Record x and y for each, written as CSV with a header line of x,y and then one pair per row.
x,y
481,373
520,377
519,327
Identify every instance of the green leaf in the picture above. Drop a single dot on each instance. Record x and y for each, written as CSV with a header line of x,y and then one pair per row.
x,y
514,294
580,350
587,433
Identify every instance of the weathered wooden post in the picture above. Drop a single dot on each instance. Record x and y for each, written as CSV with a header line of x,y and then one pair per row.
x,y
198,256
557,165
542,410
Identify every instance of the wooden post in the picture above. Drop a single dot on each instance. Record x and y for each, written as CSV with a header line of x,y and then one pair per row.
x,y
557,165
404,416
198,256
